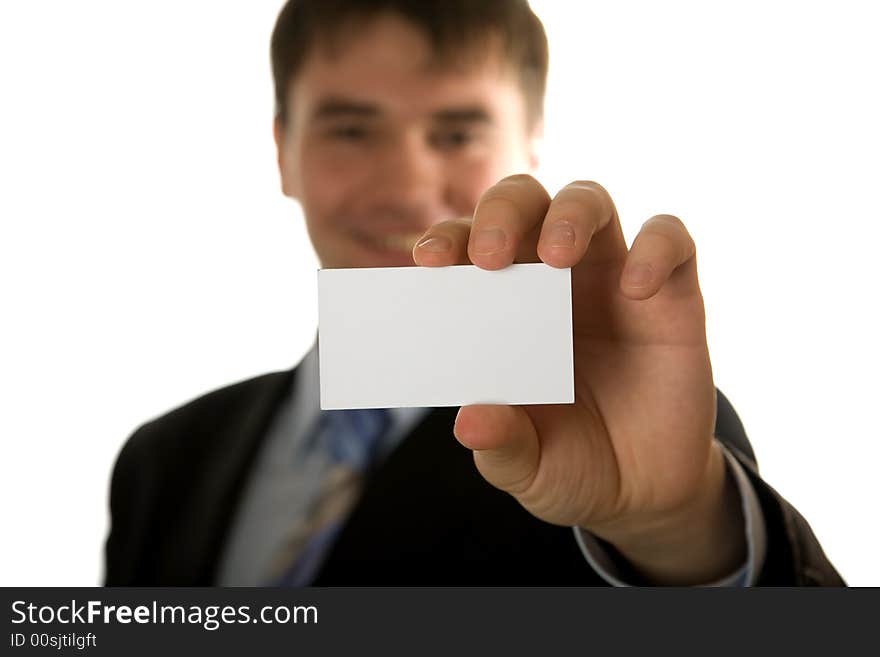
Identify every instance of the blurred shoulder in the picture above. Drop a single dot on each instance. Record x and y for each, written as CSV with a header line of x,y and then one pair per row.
x,y
215,412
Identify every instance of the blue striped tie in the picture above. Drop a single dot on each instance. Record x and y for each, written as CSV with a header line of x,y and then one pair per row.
x,y
353,439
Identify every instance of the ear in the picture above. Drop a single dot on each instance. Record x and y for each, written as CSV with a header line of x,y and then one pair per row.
x,y
285,164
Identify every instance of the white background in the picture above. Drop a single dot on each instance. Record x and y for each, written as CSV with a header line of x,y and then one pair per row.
x,y
147,255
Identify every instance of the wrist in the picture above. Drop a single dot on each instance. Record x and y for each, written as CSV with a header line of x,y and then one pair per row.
x,y
701,540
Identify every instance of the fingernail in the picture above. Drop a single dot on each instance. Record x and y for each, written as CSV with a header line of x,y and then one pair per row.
x,y
435,244
639,275
561,234
488,241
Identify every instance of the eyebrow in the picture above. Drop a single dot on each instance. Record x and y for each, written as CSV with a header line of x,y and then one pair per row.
x,y
470,114
333,108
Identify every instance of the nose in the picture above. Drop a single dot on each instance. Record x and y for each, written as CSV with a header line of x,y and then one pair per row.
x,y
408,184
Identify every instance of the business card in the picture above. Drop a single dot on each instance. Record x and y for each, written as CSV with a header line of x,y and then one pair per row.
x,y
444,336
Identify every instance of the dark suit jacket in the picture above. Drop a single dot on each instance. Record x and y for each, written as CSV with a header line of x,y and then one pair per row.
x,y
426,517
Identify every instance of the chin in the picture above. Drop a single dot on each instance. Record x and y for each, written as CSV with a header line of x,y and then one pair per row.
x,y
360,255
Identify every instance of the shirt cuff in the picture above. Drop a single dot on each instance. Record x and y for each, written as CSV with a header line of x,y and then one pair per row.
x,y
598,553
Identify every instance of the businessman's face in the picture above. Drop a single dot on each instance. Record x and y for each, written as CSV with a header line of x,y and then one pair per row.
x,y
381,143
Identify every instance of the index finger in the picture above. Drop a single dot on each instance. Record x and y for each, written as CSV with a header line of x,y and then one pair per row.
x,y
506,220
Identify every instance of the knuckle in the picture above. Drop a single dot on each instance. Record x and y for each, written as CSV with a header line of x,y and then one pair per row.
x,y
670,231
451,225
524,179
669,220
591,185
520,186
505,473
496,200
590,192
667,243
567,210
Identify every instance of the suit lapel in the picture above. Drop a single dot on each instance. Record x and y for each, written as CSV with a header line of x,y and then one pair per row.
x,y
226,461
426,515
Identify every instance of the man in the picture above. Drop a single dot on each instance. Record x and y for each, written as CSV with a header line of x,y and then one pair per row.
x,y
399,127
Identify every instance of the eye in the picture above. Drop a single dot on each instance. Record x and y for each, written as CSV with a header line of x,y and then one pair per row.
x,y
348,132
453,138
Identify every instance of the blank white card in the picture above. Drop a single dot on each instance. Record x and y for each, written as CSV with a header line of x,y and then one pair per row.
x,y
444,336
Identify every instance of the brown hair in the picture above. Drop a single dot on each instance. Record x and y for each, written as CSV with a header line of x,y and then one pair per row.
x,y
448,25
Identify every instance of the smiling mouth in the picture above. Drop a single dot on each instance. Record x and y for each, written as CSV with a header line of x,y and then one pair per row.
x,y
390,243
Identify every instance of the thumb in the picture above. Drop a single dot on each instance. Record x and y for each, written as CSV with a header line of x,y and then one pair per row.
x,y
505,444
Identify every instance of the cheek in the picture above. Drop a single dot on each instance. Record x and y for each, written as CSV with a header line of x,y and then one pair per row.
x,y
468,182
325,184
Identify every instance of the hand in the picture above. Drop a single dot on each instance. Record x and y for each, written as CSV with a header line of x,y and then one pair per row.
x,y
633,460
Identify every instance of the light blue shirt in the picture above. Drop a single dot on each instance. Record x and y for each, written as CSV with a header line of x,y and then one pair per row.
x,y
288,471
